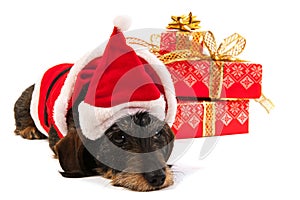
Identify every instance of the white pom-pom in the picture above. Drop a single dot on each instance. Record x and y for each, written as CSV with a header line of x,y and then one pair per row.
x,y
123,22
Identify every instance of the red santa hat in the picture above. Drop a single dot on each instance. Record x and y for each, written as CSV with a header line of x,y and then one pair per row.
x,y
123,82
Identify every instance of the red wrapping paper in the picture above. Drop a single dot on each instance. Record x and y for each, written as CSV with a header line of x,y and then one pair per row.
x,y
231,117
239,79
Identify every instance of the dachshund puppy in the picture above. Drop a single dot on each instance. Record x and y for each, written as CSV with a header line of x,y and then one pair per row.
x,y
81,157
108,114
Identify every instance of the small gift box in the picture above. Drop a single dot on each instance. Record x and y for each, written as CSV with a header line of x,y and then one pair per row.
x,y
211,118
182,34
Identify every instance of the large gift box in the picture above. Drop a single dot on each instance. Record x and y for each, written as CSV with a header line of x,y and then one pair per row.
x,y
218,75
211,118
203,78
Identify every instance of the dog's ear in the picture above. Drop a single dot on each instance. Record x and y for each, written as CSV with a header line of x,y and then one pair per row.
x,y
74,158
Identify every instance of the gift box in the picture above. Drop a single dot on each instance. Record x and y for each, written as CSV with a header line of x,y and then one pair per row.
x,y
182,34
216,79
211,118
219,75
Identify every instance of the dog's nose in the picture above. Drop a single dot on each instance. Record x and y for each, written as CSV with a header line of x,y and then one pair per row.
x,y
156,178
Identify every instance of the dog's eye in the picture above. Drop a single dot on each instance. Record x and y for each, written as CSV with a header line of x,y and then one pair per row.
x,y
157,135
118,138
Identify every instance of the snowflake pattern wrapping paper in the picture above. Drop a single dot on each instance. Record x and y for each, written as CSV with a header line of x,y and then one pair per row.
x,y
239,79
203,118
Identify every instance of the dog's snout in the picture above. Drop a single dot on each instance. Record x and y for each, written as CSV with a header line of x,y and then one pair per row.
x,y
156,178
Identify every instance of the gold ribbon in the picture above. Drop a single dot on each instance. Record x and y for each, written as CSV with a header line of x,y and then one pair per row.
x,y
215,79
184,22
181,55
150,46
189,40
209,119
266,103
231,47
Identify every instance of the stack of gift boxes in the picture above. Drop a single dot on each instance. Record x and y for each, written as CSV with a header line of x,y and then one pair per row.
x,y
213,89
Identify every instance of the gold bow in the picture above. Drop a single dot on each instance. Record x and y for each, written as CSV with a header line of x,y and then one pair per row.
x,y
184,22
231,47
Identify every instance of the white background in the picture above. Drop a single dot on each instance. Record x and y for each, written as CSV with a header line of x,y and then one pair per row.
x,y
263,164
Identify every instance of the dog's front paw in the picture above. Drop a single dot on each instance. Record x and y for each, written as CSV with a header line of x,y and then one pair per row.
x,y
30,133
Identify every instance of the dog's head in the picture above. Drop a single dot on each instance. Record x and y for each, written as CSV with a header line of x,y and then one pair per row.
x,y
138,146
133,152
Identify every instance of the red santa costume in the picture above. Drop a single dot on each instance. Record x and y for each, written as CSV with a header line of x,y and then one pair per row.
x,y
120,81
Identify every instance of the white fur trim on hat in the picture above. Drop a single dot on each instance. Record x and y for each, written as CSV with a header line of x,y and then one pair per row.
x,y
94,121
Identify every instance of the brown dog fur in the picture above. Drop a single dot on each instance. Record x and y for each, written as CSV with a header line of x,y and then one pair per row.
x,y
79,157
